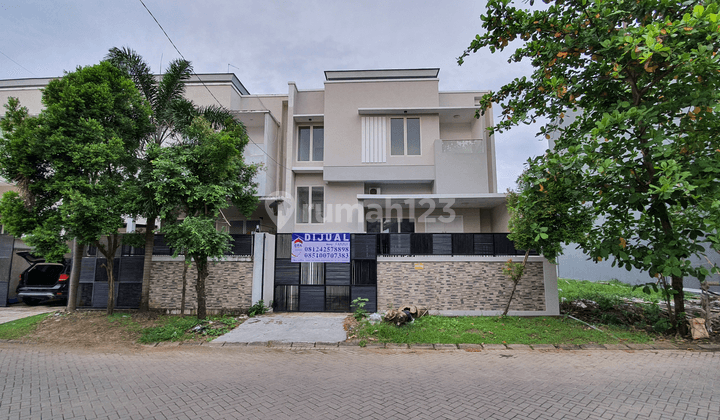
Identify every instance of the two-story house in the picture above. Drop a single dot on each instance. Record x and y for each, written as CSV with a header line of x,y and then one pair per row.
x,y
405,170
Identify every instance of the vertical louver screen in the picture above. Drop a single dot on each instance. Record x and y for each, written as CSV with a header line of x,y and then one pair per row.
x,y
374,139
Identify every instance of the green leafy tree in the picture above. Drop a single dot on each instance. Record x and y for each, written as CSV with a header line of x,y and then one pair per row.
x,y
193,180
542,216
77,168
171,114
641,79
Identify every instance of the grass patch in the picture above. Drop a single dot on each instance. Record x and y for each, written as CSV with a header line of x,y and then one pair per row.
x,y
602,291
19,328
177,328
495,330
170,328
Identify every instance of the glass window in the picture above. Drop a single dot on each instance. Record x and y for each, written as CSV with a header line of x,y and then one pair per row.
x,y
413,136
311,140
390,226
405,136
303,204
312,273
397,136
318,138
317,204
251,226
304,144
373,226
407,226
310,205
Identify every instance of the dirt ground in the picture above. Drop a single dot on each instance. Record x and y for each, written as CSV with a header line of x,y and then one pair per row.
x,y
91,329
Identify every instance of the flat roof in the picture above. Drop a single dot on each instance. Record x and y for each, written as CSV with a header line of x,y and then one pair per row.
x,y
428,73
194,79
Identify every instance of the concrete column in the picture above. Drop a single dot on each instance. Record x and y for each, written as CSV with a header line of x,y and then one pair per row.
x,y
258,260
268,292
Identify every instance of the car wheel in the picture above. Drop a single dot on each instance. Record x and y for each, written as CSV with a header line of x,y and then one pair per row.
x,y
30,301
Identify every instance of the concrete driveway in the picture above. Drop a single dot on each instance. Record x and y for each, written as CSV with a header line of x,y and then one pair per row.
x,y
21,310
289,328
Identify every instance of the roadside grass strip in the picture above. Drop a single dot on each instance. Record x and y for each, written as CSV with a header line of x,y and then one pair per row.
x,y
496,330
19,328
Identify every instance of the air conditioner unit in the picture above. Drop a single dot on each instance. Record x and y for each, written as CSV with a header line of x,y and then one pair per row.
x,y
374,190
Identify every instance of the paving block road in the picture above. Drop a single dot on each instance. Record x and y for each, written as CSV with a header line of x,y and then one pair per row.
x,y
254,382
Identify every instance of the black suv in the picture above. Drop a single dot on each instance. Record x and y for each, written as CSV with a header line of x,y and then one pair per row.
x,y
43,282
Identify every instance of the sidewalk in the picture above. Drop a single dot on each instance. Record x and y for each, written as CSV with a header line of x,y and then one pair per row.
x,y
20,310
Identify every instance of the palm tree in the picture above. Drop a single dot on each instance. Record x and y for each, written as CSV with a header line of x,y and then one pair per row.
x,y
171,114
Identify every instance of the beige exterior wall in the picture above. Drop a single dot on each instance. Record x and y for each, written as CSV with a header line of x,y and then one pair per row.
x,y
30,98
310,102
342,121
456,131
224,93
460,99
500,217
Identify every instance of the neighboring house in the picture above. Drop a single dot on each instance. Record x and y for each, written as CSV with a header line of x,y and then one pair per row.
x,y
384,156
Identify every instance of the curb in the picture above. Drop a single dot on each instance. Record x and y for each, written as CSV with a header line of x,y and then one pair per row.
x,y
352,345
450,347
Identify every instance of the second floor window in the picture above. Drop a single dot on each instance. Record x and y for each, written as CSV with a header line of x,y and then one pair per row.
x,y
310,204
311,143
404,136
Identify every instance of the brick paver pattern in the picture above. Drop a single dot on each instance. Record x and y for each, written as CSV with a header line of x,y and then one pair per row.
x,y
355,383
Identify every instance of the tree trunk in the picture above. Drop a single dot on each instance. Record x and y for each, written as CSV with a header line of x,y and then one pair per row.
x,y
78,249
679,299
147,264
515,283
186,264
113,242
202,269
111,284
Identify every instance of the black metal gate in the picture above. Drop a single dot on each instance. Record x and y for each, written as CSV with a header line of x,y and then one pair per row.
x,y
326,287
7,244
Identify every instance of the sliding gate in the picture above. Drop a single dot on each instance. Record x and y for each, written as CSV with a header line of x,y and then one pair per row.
x,y
326,287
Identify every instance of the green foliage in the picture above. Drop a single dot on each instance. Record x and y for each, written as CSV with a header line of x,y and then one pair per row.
x,y
258,308
179,328
513,271
630,91
614,289
173,329
20,328
506,330
74,163
195,179
359,306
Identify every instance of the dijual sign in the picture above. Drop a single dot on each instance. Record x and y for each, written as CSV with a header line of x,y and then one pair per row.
x,y
321,247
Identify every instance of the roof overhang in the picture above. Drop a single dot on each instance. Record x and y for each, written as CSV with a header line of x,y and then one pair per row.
x,y
483,201
447,114
339,75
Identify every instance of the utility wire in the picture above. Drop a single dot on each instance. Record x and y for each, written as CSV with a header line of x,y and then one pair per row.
x,y
18,64
208,89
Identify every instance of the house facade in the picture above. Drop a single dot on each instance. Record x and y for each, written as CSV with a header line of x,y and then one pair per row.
x,y
405,170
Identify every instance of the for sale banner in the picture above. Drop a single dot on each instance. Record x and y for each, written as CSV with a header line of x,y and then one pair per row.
x,y
321,247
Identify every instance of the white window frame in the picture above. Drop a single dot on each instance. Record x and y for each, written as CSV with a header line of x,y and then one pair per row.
x,y
312,128
310,205
405,134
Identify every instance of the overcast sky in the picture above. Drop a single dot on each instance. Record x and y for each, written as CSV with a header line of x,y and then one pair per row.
x,y
267,43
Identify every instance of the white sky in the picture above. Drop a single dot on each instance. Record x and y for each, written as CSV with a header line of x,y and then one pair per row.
x,y
268,43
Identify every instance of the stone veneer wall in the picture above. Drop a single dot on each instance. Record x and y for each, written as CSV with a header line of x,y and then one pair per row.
x,y
228,286
458,286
